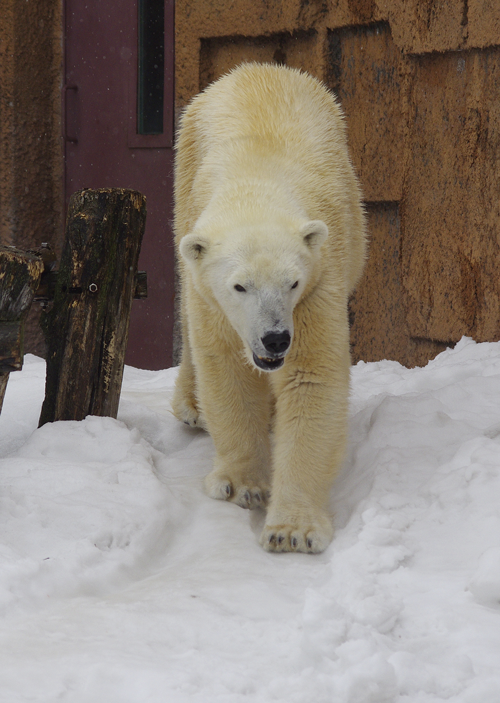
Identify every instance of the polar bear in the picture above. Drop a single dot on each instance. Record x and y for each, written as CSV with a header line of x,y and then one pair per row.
x,y
270,233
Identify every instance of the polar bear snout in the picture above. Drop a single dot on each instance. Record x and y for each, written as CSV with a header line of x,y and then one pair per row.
x,y
276,343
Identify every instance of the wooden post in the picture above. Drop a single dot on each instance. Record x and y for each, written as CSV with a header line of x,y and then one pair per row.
x,y
4,377
20,274
87,327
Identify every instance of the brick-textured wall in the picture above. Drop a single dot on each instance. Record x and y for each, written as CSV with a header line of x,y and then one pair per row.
x,y
419,81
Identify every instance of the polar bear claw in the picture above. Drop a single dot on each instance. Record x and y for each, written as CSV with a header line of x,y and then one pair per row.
x,y
222,488
291,538
187,412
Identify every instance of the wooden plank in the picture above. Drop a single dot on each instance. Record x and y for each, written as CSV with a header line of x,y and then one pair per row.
x,y
4,377
87,327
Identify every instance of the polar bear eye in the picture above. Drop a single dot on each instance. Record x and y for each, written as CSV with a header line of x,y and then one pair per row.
x,y
239,288
295,285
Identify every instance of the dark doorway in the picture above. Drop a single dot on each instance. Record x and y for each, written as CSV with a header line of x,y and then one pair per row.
x,y
118,130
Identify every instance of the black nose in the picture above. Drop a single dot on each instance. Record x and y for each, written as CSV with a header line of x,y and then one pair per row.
x,y
276,342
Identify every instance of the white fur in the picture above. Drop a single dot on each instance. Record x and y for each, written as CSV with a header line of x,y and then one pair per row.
x,y
267,202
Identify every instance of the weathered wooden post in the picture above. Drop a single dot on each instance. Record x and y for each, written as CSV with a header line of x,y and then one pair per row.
x,y
87,328
20,274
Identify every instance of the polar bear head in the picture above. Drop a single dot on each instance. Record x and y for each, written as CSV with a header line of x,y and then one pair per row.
x,y
256,274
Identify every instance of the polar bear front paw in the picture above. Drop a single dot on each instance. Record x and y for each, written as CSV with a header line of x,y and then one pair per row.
x,y
312,536
245,494
187,412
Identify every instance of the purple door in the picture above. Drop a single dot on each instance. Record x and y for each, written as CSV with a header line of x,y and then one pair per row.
x,y
118,130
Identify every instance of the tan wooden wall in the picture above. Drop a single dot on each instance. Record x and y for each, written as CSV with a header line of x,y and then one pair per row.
x,y
419,81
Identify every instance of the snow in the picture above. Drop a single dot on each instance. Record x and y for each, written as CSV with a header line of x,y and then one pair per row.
x,y
120,581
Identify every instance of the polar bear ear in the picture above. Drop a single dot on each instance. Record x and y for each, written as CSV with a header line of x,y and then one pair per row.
x,y
314,233
193,247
